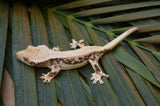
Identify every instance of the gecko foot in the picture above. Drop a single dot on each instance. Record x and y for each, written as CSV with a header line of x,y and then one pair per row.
x,y
97,77
46,77
75,43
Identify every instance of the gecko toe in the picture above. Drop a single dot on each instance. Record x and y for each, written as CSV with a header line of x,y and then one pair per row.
x,y
92,78
107,76
41,77
96,77
44,81
95,81
73,44
100,81
47,79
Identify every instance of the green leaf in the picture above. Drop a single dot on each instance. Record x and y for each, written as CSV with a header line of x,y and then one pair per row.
x,y
68,81
130,82
39,37
157,54
142,28
101,97
154,52
3,33
148,61
76,32
88,94
81,3
116,8
152,39
23,75
128,17
119,80
144,88
135,65
149,96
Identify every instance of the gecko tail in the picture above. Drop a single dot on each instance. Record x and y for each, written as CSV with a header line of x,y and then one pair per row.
x,y
117,40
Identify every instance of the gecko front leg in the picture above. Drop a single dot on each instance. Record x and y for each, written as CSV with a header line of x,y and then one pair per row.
x,y
75,43
55,69
98,71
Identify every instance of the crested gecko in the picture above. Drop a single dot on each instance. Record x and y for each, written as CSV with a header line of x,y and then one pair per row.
x,y
56,59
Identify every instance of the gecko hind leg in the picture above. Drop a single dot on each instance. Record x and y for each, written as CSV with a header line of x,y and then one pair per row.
x,y
98,72
75,43
50,75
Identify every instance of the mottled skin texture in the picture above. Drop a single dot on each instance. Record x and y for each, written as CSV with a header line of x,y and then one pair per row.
x,y
56,59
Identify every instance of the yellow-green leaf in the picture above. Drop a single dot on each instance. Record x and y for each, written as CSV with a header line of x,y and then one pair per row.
x,y
23,75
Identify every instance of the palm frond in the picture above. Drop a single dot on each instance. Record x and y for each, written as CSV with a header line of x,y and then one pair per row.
x,y
116,8
3,30
76,4
133,66
24,80
151,39
39,36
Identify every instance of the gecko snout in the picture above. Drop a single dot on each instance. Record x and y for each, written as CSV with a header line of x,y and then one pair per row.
x,y
19,55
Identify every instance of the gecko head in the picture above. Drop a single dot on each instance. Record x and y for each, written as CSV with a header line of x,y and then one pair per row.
x,y
28,54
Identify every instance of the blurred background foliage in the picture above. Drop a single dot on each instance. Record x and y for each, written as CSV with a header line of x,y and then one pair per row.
x,y
133,66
